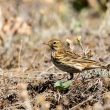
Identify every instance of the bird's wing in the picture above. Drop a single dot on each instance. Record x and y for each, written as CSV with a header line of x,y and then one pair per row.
x,y
73,54
78,63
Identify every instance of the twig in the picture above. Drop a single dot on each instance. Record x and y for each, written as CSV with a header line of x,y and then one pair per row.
x,y
19,56
4,81
81,45
89,98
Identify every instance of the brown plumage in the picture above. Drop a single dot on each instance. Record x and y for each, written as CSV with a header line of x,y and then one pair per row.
x,y
69,61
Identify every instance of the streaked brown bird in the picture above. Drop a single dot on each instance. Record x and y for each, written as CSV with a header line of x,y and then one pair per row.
x,y
69,61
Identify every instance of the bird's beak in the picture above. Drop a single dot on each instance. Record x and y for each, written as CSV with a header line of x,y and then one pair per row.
x,y
45,43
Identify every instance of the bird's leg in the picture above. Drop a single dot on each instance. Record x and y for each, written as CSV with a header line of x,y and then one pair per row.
x,y
71,76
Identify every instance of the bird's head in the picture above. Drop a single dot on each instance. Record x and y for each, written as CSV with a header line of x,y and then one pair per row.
x,y
55,44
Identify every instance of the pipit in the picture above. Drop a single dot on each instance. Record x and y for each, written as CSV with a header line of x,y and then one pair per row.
x,y
69,61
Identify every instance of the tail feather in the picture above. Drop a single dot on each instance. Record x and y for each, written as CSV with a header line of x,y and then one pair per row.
x,y
106,67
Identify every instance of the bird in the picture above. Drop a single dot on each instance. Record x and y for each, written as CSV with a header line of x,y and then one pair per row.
x,y
68,61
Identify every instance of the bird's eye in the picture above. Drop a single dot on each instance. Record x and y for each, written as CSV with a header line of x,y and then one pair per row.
x,y
54,43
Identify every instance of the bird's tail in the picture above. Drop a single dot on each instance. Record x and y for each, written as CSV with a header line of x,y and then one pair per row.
x,y
106,67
